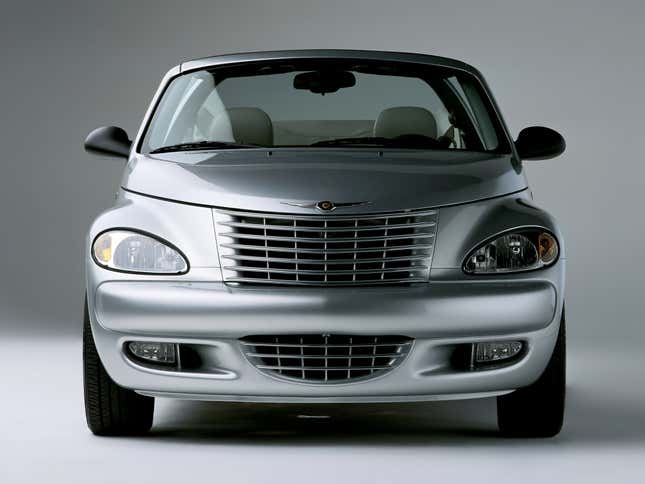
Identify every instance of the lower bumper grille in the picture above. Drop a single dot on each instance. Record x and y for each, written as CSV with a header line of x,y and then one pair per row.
x,y
325,358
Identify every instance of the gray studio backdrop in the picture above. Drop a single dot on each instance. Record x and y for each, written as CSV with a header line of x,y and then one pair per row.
x,y
68,67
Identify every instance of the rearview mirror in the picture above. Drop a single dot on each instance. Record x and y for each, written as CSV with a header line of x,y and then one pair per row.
x,y
322,82
110,141
539,143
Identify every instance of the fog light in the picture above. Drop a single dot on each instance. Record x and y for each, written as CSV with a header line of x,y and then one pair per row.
x,y
152,351
496,350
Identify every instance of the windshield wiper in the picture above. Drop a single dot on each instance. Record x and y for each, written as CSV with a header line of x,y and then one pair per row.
x,y
403,141
365,141
202,145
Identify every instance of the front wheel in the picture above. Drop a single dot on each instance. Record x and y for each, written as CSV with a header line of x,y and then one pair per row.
x,y
109,408
537,410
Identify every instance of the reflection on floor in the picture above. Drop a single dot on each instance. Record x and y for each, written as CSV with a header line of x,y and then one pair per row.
x,y
388,424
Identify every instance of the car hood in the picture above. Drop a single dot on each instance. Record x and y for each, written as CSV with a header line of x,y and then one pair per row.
x,y
263,180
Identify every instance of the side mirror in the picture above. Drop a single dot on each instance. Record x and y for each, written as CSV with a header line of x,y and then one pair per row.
x,y
108,140
539,143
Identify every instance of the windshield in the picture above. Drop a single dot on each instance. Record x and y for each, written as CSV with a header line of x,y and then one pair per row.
x,y
325,103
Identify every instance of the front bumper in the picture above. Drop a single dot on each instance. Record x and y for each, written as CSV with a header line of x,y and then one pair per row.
x,y
438,316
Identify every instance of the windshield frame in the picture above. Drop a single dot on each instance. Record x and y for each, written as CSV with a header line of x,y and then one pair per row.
x,y
505,143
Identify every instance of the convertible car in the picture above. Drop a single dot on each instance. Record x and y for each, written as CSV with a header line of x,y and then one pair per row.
x,y
324,226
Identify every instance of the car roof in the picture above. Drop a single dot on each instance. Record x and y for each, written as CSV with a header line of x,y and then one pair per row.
x,y
218,60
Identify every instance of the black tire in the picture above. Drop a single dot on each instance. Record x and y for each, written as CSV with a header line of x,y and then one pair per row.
x,y
109,408
538,410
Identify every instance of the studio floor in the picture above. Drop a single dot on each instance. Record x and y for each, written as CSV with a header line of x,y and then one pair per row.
x,y
44,437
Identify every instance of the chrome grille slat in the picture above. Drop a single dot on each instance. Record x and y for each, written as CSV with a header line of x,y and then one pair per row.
x,y
306,345
325,250
252,280
280,368
326,271
384,251
329,251
331,357
352,261
266,250
336,217
325,239
355,254
325,358
356,228
326,255
295,255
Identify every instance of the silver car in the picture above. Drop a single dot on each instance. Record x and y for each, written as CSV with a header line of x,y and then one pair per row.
x,y
324,226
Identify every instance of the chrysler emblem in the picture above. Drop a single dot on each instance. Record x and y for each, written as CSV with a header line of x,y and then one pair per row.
x,y
325,205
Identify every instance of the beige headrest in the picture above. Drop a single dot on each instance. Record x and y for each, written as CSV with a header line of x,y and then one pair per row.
x,y
393,122
251,125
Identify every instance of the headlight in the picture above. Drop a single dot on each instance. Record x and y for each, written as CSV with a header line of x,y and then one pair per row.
x,y
130,251
516,251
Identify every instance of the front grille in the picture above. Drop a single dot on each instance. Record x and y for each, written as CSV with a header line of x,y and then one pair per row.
x,y
325,250
325,358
